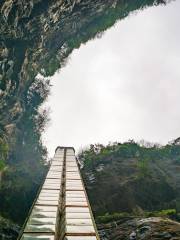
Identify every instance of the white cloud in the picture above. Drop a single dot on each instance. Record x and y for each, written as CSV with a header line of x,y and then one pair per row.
x,y
125,85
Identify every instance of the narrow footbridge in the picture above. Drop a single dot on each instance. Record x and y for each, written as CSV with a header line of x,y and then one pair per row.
x,y
61,210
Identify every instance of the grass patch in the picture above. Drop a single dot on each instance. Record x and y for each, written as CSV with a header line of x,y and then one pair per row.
x,y
118,216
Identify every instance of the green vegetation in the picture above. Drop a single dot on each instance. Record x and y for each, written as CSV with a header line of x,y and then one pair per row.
x,y
170,213
162,213
142,165
90,29
112,217
144,154
3,153
25,156
122,176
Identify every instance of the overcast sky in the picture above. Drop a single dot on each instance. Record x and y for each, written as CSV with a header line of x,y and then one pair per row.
x,y
123,86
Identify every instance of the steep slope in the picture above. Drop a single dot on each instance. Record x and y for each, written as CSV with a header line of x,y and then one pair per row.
x,y
121,177
128,183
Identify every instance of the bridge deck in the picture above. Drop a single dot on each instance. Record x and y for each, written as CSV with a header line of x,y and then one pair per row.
x,y
61,210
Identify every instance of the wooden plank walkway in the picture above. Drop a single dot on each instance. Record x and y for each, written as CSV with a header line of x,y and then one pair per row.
x,y
61,210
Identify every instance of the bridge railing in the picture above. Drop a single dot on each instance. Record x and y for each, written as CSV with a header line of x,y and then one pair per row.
x,y
61,210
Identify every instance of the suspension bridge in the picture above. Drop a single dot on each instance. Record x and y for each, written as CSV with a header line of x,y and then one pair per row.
x,y
61,210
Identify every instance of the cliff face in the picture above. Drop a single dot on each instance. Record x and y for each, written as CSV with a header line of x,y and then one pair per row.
x,y
125,177
134,188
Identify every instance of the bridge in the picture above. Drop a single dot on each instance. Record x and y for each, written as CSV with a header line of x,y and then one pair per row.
x,y
61,210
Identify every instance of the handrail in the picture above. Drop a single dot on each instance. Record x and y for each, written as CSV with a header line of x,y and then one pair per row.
x,y
60,195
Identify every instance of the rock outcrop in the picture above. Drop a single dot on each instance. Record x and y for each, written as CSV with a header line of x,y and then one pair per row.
x,y
145,228
134,188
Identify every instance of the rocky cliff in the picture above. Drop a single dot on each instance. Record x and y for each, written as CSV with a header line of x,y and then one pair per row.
x,y
134,187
